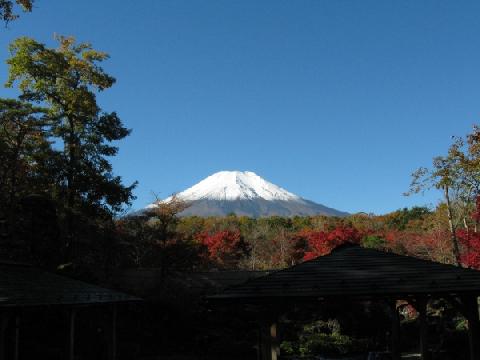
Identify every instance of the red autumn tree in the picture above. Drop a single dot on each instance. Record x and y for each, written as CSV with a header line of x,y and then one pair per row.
x,y
433,245
470,242
225,248
318,243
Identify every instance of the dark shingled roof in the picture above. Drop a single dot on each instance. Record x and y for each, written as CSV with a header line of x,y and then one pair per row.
x,y
353,271
149,281
215,281
23,285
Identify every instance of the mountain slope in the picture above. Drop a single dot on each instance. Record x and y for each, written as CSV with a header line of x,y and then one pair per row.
x,y
246,193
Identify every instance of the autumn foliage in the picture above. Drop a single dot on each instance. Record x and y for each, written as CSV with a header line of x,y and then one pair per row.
x,y
471,244
318,243
224,248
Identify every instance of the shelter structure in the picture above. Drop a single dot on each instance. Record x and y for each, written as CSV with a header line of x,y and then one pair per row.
x,y
147,282
29,291
356,273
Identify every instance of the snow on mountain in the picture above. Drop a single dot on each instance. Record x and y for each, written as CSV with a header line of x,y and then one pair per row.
x,y
236,185
245,193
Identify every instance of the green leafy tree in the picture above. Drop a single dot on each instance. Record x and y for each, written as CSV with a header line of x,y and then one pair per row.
x,y
28,173
65,80
7,12
444,175
26,154
457,175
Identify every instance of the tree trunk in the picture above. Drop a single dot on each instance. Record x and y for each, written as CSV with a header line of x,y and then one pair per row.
x,y
452,227
72,164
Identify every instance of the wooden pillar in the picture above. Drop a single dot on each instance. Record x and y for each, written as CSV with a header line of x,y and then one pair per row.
x,y
113,334
274,342
71,334
395,338
3,333
269,344
16,338
259,343
421,306
264,342
471,313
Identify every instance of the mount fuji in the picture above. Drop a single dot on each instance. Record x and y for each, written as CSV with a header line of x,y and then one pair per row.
x,y
245,193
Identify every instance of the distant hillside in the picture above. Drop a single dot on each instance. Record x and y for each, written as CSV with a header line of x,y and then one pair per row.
x,y
246,193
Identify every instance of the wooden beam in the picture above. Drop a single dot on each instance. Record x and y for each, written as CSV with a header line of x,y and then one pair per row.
x,y
269,345
421,307
259,343
16,347
113,334
265,353
274,342
471,313
4,317
71,334
395,336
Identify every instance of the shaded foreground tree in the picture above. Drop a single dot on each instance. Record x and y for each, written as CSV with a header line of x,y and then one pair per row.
x,y
28,165
24,130
61,148
152,239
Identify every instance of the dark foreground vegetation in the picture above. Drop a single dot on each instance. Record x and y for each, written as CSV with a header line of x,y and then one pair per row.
x,y
62,207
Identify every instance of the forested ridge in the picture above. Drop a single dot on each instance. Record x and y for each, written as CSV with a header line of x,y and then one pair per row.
x,y
62,207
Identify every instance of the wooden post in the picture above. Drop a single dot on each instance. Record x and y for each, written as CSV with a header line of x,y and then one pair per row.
x,y
113,334
421,306
71,334
471,312
17,337
265,353
259,343
3,333
395,338
269,345
274,343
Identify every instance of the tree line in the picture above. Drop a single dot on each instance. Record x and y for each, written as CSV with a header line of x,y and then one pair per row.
x,y
61,204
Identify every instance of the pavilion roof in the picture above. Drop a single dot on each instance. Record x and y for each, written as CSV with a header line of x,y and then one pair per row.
x,y
24,285
354,271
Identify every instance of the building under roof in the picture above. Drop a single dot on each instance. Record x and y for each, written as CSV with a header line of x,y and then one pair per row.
x,y
26,287
147,282
357,273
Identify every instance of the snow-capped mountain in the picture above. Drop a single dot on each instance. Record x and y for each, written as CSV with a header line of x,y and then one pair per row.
x,y
236,185
246,193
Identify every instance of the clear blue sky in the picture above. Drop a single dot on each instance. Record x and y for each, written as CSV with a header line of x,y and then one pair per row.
x,y
337,101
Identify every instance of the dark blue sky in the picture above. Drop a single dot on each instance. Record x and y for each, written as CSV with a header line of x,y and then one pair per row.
x,y
337,101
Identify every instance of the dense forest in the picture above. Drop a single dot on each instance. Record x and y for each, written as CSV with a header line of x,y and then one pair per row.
x,y
62,207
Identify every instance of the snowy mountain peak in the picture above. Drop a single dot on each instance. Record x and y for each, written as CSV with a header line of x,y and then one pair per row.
x,y
236,185
246,194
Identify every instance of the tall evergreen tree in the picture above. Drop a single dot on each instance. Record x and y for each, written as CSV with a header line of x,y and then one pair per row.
x,y
65,80
25,153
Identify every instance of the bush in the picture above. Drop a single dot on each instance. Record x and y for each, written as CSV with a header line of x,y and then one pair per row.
x,y
373,242
324,338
